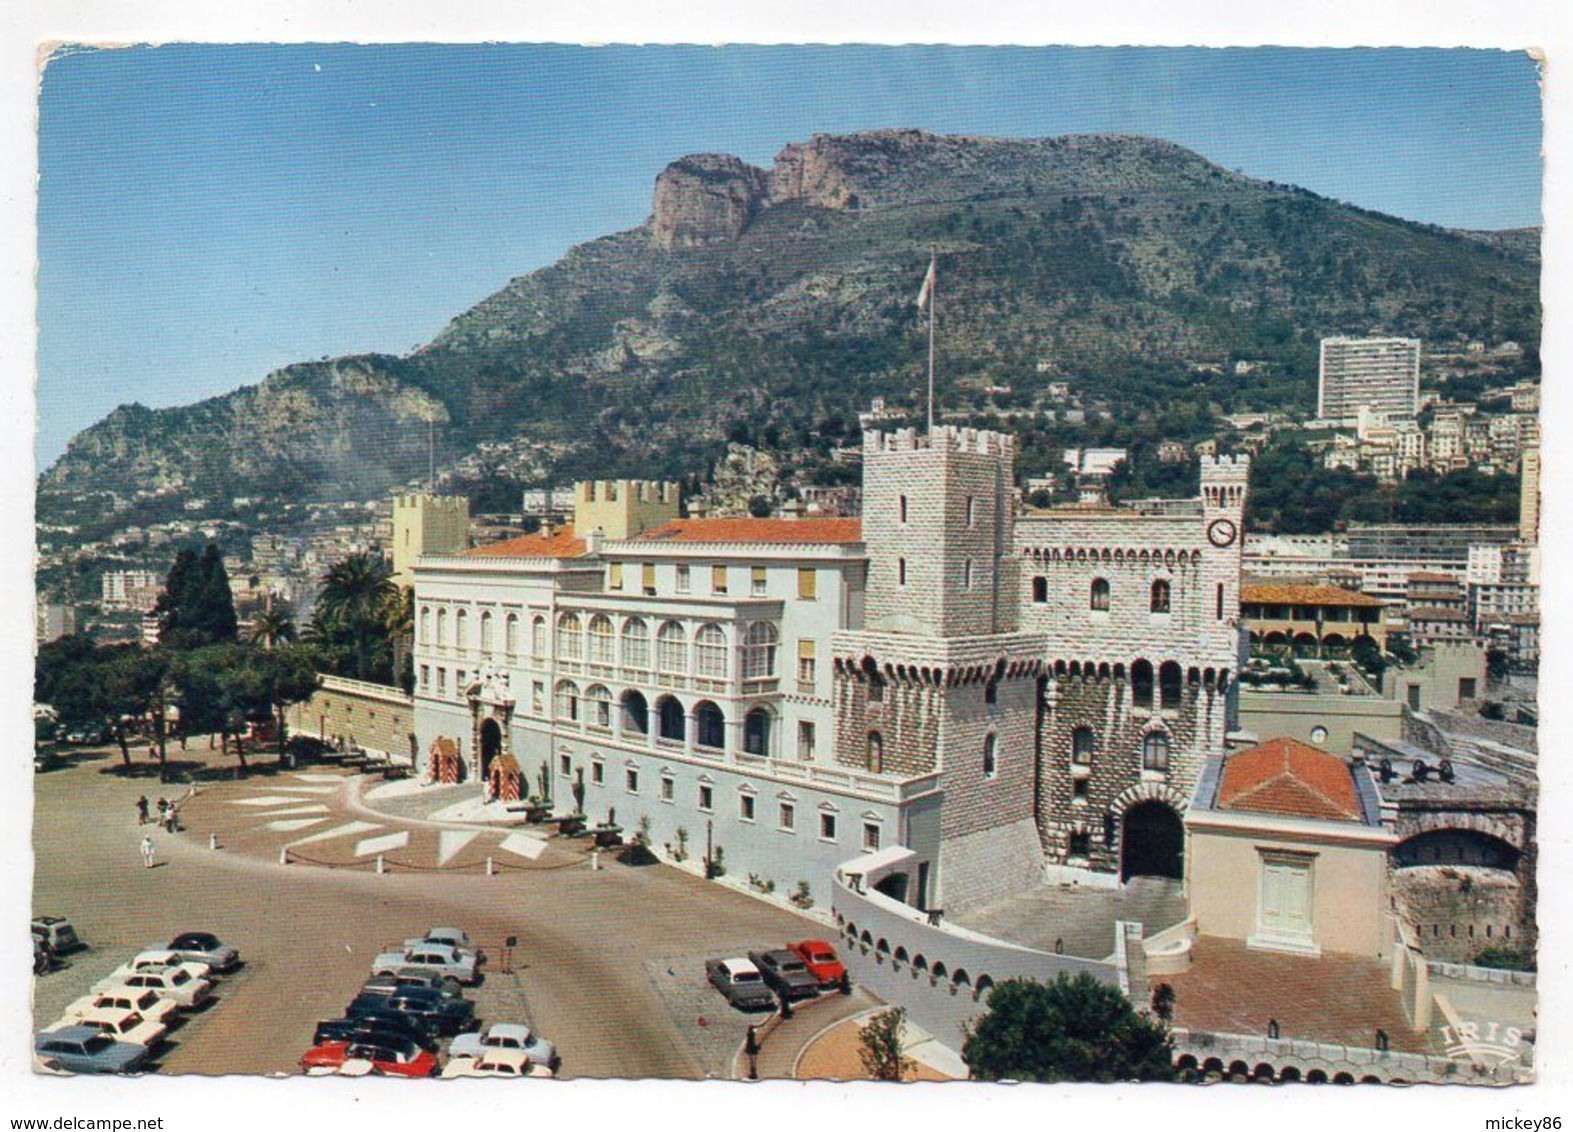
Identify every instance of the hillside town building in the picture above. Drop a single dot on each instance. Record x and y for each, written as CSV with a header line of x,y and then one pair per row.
x,y
1379,374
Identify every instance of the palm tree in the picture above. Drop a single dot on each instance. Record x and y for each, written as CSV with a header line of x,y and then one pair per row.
x,y
273,627
355,597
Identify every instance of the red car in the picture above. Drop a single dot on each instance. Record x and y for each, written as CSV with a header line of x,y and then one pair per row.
x,y
388,1057
820,958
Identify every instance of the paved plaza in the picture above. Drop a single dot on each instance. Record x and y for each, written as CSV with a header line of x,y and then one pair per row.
x,y
591,943
1078,919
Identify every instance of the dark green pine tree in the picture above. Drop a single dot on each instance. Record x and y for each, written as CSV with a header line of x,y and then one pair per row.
x,y
215,607
196,607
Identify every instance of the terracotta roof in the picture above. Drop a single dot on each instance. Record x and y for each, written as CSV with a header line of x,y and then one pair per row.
x,y
1432,576
1435,613
779,532
1291,779
561,543
1297,593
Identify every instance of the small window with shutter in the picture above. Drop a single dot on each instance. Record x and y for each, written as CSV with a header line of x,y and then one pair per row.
x,y
807,583
718,579
614,578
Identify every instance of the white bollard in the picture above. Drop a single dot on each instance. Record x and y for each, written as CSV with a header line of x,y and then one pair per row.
x,y
381,868
284,856
491,869
595,860
212,841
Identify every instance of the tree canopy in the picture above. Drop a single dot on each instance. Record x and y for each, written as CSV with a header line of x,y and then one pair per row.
x,y
196,607
1073,1029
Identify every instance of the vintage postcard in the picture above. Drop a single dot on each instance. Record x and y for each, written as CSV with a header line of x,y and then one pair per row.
x,y
825,563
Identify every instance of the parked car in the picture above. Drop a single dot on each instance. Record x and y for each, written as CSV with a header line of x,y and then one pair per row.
x,y
160,957
399,1027
452,937
821,960
785,973
497,1063
391,1056
412,977
205,947
175,983
120,1023
741,983
143,1000
56,933
440,1015
443,958
86,1049
505,1035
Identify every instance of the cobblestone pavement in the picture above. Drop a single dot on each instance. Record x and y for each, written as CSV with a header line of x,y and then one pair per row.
x,y
1338,999
308,932
1083,917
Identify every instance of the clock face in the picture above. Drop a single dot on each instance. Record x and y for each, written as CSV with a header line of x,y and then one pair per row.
x,y
1220,532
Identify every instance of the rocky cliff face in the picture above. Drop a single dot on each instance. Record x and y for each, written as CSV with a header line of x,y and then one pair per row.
x,y
705,198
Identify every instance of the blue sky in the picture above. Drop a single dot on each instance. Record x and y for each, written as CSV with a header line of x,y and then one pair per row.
x,y
208,214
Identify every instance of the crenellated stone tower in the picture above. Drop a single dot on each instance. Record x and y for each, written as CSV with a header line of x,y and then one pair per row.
x,y
939,690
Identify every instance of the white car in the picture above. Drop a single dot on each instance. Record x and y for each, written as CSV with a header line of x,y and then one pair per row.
x,y
175,983
160,957
452,937
143,1000
504,1036
443,958
496,1063
120,1024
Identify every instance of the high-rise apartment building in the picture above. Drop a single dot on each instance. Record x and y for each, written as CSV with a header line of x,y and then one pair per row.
x,y
1381,374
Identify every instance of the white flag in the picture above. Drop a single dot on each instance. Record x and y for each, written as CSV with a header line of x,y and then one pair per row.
x,y
928,287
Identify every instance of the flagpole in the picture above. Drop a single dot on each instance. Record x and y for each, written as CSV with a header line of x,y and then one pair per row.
x,y
933,294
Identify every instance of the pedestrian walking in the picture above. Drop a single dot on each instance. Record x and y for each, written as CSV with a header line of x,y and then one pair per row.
x,y
163,811
147,852
142,810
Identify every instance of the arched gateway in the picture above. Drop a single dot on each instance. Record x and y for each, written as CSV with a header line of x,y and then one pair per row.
x,y
1152,842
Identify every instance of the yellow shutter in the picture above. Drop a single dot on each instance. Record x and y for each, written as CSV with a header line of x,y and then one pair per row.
x,y
756,575
647,572
805,649
718,579
616,581
807,583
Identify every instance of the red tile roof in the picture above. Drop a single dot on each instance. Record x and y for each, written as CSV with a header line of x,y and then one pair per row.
x,y
778,532
1432,576
1436,613
1299,593
561,543
1289,778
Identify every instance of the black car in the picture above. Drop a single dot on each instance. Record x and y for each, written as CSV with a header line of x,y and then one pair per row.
x,y
372,1026
785,973
440,1014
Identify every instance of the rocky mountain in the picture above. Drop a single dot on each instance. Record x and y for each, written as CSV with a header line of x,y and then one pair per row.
x,y
778,301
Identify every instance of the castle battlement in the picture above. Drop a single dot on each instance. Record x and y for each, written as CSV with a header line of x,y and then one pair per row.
x,y
432,503
1226,467
633,491
983,442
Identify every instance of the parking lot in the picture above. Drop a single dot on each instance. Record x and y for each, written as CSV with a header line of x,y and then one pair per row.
x,y
591,972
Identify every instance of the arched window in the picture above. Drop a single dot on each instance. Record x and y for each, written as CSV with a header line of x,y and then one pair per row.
x,y
1100,595
674,724
710,652
1160,596
425,624
567,701
759,651
1171,681
598,702
486,633
671,648
756,732
511,634
1155,751
442,626
538,638
1040,590
636,643
1141,683
876,752
602,646
461,629
1081,746
570,637
709,726
636,713
990,750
